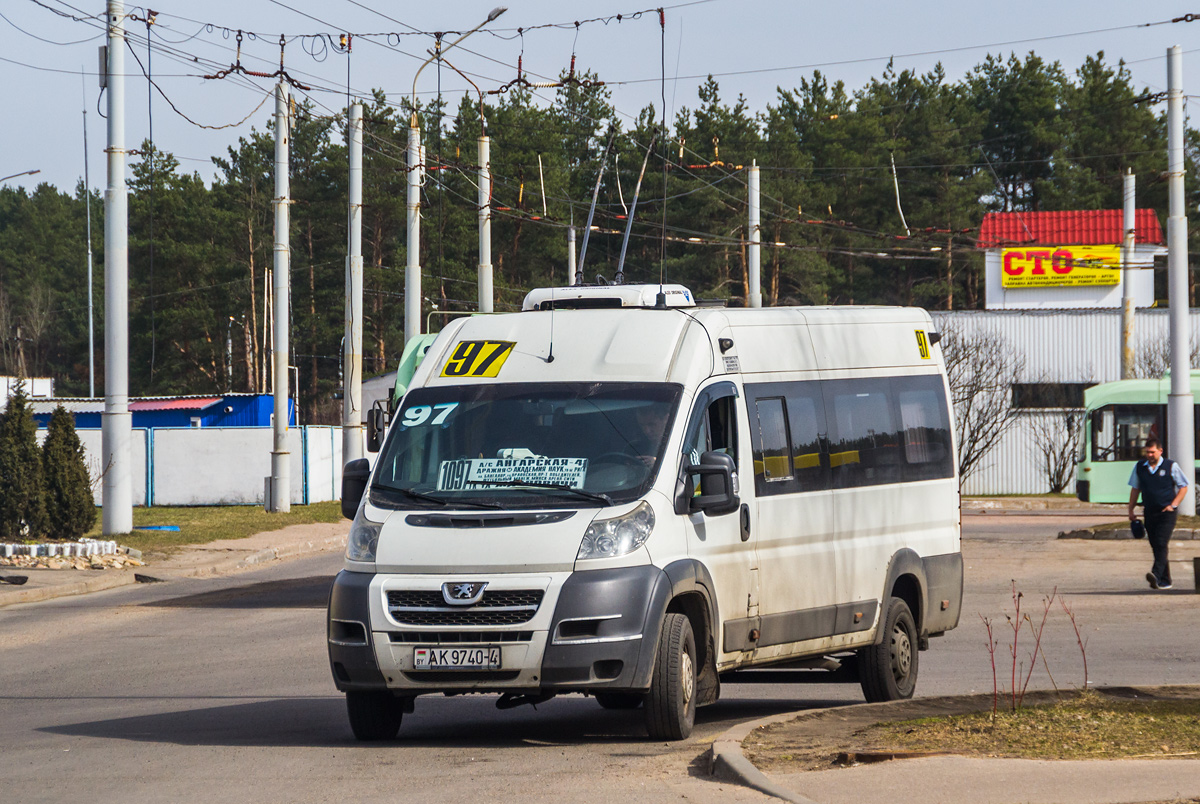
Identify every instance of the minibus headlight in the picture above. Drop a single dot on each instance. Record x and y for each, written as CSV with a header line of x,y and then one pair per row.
x,y
363,539
608,538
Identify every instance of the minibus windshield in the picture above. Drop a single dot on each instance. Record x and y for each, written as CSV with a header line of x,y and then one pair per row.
x,y
525,445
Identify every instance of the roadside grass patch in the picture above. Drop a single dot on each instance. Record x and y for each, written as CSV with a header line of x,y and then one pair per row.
x,y
1181,522
1087,726
201,524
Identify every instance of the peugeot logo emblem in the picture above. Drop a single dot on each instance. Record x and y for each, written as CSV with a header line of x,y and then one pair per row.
x,y
463,593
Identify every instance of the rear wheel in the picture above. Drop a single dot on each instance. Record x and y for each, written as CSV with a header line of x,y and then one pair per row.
x,y
619,700
374,715
888,671
671,701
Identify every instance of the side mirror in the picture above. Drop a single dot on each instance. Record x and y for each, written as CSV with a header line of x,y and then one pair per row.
x,y
718,484
376,427
354,485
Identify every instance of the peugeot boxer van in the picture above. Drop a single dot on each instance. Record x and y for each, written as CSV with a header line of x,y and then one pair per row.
x,y
619,493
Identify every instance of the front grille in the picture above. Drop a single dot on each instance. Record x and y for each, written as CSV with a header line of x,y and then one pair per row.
x,y
432,599
495,607
458,637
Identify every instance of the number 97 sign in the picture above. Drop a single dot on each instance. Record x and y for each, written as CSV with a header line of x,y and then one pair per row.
x,y
477,358
1069,266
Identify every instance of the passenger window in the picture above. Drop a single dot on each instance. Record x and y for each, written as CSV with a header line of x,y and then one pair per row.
x,y
1119,432
926,427
866,439
806,423
772,453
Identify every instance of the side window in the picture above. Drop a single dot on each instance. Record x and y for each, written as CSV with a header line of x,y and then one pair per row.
x,y
806,421
925,423
865,448
714,429
772,448
1104,442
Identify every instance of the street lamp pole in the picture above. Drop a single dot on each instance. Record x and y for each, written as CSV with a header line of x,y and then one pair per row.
x,y
412,273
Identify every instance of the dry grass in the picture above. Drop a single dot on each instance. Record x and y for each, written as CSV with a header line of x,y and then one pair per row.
x,y
201,524
1181,522
1090,726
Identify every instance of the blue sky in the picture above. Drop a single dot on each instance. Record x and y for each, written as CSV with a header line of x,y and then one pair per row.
x,y
752,48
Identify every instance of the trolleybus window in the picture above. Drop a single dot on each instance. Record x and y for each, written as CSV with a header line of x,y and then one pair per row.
x,y
1120,431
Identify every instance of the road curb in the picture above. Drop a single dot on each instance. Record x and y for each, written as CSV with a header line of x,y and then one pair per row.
x,y
111,579
728,763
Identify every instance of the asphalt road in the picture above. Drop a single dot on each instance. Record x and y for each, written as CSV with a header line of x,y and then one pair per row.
x,y
218,690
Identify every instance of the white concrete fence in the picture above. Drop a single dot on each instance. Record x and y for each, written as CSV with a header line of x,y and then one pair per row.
x,y
223,465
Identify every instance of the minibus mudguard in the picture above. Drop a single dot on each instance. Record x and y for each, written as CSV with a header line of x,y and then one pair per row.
x,y
607,622
932,586
351,654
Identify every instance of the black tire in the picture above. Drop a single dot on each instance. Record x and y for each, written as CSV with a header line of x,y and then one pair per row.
x,y
671,701
888,671
373,715
619,700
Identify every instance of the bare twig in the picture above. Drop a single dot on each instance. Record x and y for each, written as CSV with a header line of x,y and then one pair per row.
x,y
1047,602
1014,623
1078,639
991,646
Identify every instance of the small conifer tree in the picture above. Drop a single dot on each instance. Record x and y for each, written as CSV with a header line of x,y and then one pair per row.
x,y
22,493
70,509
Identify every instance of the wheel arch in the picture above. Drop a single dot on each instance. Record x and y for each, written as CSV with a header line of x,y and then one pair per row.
x,y
906,580
693,594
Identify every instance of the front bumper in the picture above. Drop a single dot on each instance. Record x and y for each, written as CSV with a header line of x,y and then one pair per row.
x,y
593,631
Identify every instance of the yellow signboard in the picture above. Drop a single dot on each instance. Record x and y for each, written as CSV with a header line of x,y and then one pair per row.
x,y
477,358
1061,266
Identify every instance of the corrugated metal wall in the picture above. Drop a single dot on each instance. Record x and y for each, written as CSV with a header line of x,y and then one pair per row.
x,y
1058,346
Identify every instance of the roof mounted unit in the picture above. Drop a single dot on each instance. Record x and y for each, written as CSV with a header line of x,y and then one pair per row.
x,y
584,297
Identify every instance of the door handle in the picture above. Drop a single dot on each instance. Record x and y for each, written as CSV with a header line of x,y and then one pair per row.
x,y
745,522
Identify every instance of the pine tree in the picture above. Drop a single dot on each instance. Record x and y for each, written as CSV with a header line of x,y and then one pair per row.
x,y
70,509
22,494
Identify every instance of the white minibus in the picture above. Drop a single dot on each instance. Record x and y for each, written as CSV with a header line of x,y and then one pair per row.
x,y
622,493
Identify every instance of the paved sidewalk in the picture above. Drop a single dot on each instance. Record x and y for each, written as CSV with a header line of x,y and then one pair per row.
x,y
192,561
938,779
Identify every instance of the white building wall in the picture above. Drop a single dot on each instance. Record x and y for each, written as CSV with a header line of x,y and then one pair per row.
x,y
1068,346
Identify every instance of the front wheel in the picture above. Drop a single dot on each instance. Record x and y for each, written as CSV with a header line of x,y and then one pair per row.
x,y
671,701
374,716
888,671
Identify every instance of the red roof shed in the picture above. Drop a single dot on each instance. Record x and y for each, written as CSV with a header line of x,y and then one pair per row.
x,y
1074,227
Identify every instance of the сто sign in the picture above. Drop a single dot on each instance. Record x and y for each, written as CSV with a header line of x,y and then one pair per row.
x,y
1064,266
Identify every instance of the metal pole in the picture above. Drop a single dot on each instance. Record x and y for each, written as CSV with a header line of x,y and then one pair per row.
x,y
412,272
570,254
87,203
753,291
1181,425
116,424
1127,278
281,471
352,425
486,295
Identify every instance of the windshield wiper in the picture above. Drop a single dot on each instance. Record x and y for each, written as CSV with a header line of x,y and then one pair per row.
x,y
417,495
604,498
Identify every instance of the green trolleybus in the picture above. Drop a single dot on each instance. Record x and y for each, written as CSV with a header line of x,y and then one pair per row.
x,y
1120,417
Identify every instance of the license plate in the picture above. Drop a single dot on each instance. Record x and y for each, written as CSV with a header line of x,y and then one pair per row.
x,y
486,657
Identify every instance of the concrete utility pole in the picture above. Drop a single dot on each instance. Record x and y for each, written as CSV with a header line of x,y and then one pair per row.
x,y
87,205
116,429
754,289
1181,424
352,435
486,295
412,271
571,254
280,498
1127,275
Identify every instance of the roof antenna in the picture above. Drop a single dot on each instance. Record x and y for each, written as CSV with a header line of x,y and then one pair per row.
x,y
550,357
587,230
620,279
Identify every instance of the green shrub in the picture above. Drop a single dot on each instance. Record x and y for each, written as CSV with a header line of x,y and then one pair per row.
x,y
70,509
22,492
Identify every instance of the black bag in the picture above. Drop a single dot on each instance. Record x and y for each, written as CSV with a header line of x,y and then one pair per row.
x,y
1139,529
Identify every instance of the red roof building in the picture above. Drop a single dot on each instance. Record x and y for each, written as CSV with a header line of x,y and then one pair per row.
x,y
1090,227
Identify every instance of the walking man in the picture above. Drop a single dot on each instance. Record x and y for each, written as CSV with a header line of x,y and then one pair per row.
x,y
1163,486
